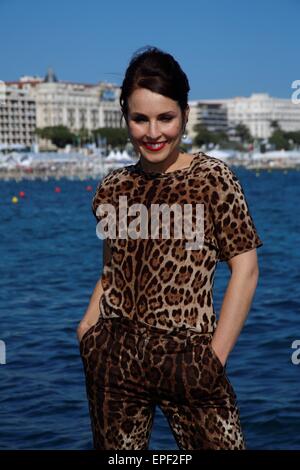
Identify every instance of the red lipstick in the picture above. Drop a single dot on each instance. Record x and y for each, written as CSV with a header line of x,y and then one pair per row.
x,y
154,147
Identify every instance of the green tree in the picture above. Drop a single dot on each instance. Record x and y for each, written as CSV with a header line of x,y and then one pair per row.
x,y
83,136
294,136
279,140
59,135
243,132
203,136
219,137
116,137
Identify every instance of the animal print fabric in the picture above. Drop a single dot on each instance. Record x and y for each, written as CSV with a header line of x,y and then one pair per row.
x,y
159,281
152,342
131,367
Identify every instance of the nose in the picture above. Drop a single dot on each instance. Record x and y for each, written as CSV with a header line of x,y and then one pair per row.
x,y
153,130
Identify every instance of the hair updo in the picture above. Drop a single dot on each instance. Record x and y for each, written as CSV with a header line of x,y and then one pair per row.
x,y
157,71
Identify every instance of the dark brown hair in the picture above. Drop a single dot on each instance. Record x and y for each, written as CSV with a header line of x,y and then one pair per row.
x,y
157,71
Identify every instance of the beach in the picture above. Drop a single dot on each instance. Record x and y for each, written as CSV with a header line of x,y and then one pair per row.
x,y
54,165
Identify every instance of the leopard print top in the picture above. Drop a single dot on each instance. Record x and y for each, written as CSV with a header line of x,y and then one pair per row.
x,y
158,280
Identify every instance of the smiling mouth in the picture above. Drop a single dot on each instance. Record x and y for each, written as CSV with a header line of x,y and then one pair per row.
x,y
155,147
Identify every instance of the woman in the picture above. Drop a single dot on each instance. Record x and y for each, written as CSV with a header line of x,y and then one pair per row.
x,y
156,339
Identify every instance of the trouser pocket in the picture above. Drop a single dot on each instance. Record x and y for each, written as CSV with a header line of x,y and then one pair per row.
x,y
86,341
219,366
89,330
205,373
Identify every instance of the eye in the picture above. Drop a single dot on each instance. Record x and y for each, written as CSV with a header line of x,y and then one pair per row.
x,y
139,119
166,118
144,119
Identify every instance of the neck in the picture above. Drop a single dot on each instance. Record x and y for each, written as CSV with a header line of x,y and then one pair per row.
x,y
170,163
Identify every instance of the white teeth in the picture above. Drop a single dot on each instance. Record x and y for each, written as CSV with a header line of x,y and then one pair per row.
x,y
155,146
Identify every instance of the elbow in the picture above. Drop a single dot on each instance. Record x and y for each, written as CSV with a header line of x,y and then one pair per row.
x,y
245,265
252,277
246,276
253,274
253,268
249,273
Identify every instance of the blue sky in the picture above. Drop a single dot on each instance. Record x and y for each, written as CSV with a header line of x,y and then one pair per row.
x,y
226,47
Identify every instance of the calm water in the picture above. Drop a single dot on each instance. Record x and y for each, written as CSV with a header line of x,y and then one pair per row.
x,y
50,261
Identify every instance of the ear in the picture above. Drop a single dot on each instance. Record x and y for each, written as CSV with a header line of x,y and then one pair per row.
x,y
187,112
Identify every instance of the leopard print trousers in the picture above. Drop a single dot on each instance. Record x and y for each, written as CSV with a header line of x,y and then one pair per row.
x,y
130,367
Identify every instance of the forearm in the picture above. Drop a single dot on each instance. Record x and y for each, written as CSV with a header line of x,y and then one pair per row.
x,y
92,312
235,307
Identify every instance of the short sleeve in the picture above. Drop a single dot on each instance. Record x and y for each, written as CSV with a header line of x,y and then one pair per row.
x,y
234,228
103,194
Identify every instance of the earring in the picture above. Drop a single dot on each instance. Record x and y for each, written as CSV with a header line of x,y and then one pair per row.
x,y
184,134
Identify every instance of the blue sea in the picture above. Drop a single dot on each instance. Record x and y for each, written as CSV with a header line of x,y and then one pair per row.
x,y
50,261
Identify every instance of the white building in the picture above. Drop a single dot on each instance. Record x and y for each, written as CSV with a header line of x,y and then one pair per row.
x,y
257,112
76,105
17,116
36,102
212,114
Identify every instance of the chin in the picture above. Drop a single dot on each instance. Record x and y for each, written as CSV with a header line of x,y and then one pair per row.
x,y
156,157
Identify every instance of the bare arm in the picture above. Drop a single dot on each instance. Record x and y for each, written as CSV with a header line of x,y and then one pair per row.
x,y
92,312
236,303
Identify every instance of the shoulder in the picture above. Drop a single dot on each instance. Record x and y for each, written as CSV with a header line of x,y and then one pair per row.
x,y
115,180
113,177
214,164
217,172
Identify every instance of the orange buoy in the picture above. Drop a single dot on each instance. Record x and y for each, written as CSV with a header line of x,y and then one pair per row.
x,y
89,188
22,193
57,189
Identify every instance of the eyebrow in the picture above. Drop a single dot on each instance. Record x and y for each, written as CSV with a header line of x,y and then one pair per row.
x,y
144,115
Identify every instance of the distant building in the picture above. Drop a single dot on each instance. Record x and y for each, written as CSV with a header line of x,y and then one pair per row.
x,y
46,101
49,102
76,105
212,114
256,112
17,116
259,110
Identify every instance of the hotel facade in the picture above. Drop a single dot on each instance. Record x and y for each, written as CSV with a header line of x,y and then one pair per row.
x,y
257,112
33,102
